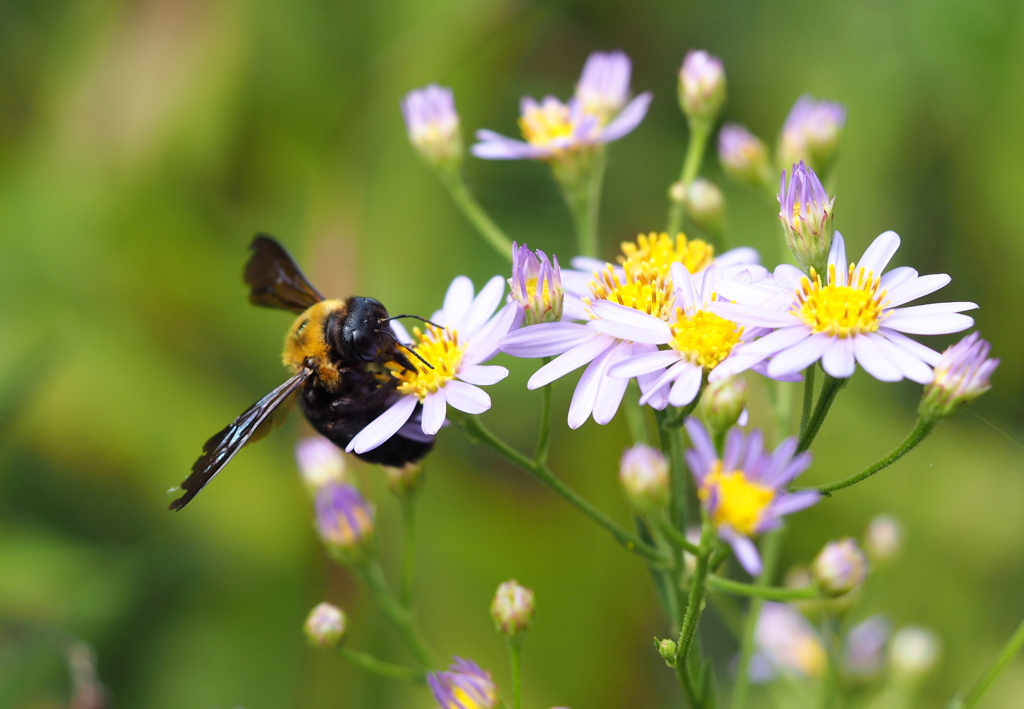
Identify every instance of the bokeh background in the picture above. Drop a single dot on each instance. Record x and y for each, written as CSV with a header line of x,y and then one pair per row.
x,y
143,143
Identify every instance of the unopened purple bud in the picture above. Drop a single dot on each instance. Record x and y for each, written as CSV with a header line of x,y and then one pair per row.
x,y
345,522
512,608
743,155
603,88
320,462
806,213
865,647
326,626
961,376
433,125
536,284
840,567
701,86
643,473
463,686
812,133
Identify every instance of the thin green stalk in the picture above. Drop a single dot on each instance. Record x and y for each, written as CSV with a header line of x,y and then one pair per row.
x,y
918,434
805,412
829,695
477,431
770,558
829,389
694,606
408,505
768,593
1010,650
515,653
676,537
386,669
540,453
699,134
672,449
471,209
398,614
635,415
667,580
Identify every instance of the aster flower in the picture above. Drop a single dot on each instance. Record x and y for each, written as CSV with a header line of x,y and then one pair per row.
x,y
852,318
536,285
786,644
320,462
433,124
744,492
552,128
344,520
811,132
463,686
840,567
806,213
961,376
465,335
641,284
743,156
864,647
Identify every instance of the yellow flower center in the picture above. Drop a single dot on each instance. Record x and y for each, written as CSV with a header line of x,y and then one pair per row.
x,y
660,252
641,287
531,291
440,347
841,311
541,125
704,338
467,700
809,656
741,503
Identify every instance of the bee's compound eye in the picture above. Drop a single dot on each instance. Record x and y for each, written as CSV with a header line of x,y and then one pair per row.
x,y
365,346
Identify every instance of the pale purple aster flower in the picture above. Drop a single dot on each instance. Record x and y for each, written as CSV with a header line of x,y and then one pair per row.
x,y
787,644
744,492
864,647
806,213
853,318
344,519
701,85
552,128
433,124
512,608
643,473
320,462
326,626
961,376
743,155
463,686
536,285
466,336
811,132
840,567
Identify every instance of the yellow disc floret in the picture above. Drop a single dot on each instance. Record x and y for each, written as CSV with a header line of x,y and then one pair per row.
x,y
703,337
660,251
841,311
442,349
542,125
740,502
640,286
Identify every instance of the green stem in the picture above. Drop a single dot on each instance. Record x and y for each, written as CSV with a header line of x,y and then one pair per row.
x,y
768,593
540,454
635,415
471,209
676,537
1010,650
580,177
515,653
398,614
829,389
408,504
477,431
920,432
805,412
672,449
694,606
385,669
699,134
770,555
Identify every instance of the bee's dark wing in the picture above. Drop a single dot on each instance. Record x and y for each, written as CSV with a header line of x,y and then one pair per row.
x,y
274,279
253,424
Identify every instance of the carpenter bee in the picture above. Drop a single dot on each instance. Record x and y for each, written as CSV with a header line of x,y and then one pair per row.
x,y
336,350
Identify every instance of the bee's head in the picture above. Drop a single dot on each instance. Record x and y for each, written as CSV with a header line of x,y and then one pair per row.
x,y
360,333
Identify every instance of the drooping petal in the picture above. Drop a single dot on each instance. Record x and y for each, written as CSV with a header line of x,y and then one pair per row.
x,y
838,359
611,389
685,387
585,395
744,549
629,119
875,360
922,352
642,364
434,409
910,364
384,426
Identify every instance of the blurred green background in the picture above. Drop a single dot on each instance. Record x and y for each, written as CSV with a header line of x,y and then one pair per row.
x,y
143,143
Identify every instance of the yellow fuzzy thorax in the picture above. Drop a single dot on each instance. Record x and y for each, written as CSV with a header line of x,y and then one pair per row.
x,y
659,251
703,337
740,502
841,311
440,347
306,341
641,287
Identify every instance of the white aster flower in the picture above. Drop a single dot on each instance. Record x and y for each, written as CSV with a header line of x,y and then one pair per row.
x,y
466,334
852,318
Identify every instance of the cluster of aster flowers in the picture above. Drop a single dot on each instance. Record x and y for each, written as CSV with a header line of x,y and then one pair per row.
x,y
668,320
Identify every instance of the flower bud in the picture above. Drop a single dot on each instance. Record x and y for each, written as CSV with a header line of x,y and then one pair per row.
x,y
840,567
883,538
345,522
961,376
914,651
667,650
433,125
744,156
512,608
643,473
705,205
812,133
320,462
405,481
701,86
723,403
463,686
326,626
805,211
536,285
864,654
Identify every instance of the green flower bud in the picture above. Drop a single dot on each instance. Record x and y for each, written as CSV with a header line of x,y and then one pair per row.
x,y
643,473
701,86
326,626
512,608
723,402
705,205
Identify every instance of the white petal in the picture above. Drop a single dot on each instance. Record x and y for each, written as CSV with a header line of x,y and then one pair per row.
x,y
456,302
837,257
645,363
400,332
484,343
746,552
922,352
788,504
657,388
774,342
898,276
384,426
686,291
938,324
799,356
573,359
875,360
838,359
545,339
738,256
787,276
483,306
912,289
656,335
881,251
749,314
611,389
583,398
932,309
685,387
482,374
573,308
466,397
744,293
906,359
434,409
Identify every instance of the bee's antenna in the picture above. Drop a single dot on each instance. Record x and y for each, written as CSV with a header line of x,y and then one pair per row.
x,y
415,317
413,352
